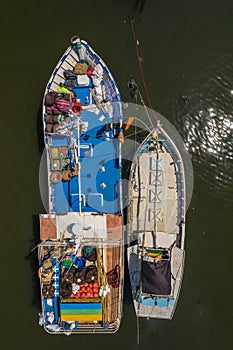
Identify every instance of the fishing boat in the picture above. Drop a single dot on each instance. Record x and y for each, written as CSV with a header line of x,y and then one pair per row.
x,y
81,249
156,225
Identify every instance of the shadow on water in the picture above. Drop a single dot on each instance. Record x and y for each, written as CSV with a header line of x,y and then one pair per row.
x,y
32,257
40,132
128,300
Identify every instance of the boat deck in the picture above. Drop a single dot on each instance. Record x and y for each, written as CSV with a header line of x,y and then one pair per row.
x,y
155,215
148,200
114,299
96,187
103,231
82,128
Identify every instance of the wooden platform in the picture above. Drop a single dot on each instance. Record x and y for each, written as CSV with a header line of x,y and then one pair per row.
x,y
114,298
114,226
48,228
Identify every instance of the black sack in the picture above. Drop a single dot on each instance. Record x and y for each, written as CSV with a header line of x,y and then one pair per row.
x,y
65,289
50,98
69,74
113,277
89,253
91,274
79,275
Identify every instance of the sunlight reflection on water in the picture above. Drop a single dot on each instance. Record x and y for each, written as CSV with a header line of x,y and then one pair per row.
x,y
209,141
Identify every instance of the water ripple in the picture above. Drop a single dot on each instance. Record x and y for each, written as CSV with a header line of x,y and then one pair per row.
x,y
209,141
207,125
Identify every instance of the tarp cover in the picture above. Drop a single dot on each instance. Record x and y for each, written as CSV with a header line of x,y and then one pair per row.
x,y
156,277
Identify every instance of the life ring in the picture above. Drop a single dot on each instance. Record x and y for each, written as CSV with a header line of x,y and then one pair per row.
x,y
77,108
56,177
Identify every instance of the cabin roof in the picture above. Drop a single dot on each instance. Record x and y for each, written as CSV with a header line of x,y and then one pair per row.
x,y
90,225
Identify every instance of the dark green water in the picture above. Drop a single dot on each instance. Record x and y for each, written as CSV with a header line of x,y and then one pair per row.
x,y
186,47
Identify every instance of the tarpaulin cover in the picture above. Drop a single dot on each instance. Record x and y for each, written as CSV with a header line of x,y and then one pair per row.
x,y
156,277
86,312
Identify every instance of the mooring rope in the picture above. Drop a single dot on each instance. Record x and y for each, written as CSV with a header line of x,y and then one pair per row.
x,y
132,22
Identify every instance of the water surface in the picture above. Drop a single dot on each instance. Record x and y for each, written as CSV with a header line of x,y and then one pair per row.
x,y
186,48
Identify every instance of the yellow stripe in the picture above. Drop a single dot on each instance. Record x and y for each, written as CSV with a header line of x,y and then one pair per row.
x,y
154,255
85,318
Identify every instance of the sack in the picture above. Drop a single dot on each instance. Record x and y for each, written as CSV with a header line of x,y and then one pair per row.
x,y
113,277
79,276
91,274
67,97
56,127
65,289
63,106
52,110
80,262
98,71
69,84
49,128
89,253
80,68
90,71
96,82
69,74
50,98
49,119
47,264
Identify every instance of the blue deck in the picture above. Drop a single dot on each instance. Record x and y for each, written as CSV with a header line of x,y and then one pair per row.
x,y
98,188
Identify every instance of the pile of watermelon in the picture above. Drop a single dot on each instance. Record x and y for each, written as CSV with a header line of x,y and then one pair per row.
x,y
87,290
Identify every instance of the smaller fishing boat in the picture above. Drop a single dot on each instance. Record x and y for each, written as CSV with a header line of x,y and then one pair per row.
x,y
156,226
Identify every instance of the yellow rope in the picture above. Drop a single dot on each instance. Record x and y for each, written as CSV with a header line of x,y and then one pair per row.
x,y
132,22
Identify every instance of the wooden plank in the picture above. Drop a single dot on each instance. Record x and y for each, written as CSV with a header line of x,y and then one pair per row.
x,y
48,227
66,65
114,257
60,73
74,55
54,86
71,60
58,79
114,226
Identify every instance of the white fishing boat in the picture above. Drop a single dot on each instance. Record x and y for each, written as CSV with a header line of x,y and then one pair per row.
x,y
81,265
156,226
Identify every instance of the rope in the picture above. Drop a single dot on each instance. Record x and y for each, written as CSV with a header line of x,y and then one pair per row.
x,y
138,331
145,107
132,22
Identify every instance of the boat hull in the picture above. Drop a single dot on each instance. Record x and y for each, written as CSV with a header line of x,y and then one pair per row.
x,y
156,226
81,251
